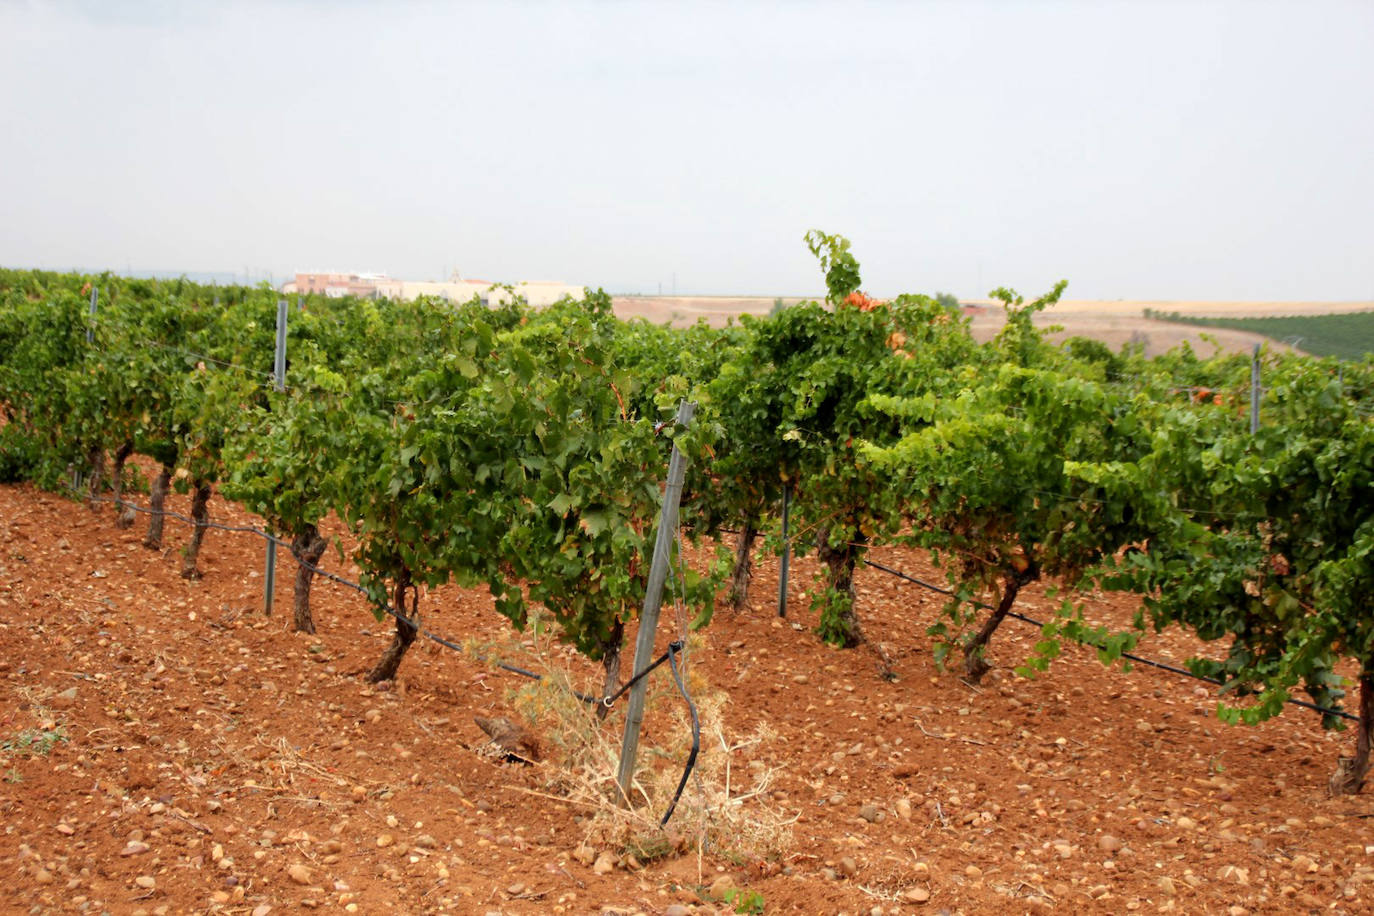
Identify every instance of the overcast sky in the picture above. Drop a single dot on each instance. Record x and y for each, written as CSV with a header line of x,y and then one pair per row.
x,y
1140,150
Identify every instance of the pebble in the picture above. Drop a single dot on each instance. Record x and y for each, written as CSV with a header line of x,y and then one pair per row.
x,y
134,848
916,895
720,887
1109,843
584,854
677,909
300,874
848,867
870,813
373,715
146,882
385,840
425,841
65,829
605,863
262,910
904,809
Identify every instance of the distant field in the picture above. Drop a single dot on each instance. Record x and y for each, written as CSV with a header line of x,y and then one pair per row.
x,y
1347,336
1205,326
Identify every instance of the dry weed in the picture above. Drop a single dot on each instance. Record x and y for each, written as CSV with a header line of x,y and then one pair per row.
x,y
727,805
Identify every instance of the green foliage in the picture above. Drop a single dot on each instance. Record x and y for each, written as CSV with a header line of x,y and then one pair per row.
x,y
744,900
34,742
840,267
524,451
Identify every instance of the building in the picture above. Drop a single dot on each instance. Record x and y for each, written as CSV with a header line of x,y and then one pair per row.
x,y
454,289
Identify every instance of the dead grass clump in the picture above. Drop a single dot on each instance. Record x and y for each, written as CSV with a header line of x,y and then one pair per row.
x,y
726,807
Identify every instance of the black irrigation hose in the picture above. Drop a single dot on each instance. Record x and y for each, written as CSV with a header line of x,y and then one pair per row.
x,y
249,529
1135,658
673,649
670,656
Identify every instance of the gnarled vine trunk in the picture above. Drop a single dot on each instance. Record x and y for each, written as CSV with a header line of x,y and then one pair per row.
x,y
744,565
839,621
95,458
124,515
610,661
307,547
975,664
406,629
157,499
1351,771
200,500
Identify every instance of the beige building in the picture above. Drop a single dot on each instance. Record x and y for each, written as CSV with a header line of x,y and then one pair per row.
x,y
454,289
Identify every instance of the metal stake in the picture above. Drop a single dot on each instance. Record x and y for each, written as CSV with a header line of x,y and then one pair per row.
x,y
269,577
653,597
786,553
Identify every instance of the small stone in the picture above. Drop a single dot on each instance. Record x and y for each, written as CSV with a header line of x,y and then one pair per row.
x,y
1108,843
677,909
134,848
300,874
974,872
385,840
262,910
65,829
904,809
146,882
605,863
1097,892
425,841
720,887
584,854
870,813
331,848
848,867
916,895
42,876
516,889
373,715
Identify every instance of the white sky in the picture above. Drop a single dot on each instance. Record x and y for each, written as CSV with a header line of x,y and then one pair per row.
x,y
1141,150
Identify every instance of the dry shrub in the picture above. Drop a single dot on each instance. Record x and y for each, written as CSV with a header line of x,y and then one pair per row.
x,y
727,805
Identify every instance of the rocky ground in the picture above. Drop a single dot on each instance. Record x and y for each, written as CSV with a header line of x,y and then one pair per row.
x,y
165,748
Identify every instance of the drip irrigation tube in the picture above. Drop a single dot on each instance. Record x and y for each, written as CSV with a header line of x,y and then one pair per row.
x,y
1174,669
669,656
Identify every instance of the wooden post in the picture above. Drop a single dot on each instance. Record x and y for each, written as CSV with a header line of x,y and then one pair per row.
x,y
653,597
269,577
